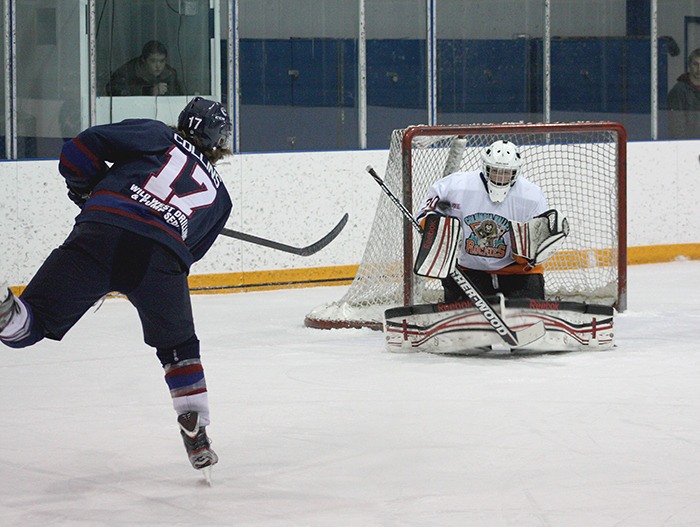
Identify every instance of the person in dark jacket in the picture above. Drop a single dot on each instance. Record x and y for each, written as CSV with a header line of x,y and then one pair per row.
x,y
684,101
147,74
151,204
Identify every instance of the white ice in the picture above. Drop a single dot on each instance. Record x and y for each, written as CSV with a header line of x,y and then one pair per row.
x,y
326,428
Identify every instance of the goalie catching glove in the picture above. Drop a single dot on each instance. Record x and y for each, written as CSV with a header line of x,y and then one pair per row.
x,y
438,246
538,239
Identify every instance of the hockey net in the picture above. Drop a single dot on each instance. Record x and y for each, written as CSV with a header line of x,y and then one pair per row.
x,y
581,168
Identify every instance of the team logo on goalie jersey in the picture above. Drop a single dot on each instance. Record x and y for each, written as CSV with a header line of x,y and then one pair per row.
x,y
486,238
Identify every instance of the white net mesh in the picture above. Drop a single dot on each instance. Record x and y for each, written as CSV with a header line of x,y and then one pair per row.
x,y
575,164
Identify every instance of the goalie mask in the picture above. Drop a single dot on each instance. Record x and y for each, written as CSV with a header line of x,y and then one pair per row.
x,y
206,121
501,164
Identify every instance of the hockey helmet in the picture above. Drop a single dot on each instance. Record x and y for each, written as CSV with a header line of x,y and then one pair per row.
x,y
207,121
501,165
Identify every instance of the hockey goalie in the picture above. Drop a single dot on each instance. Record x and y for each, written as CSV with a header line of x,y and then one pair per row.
x,y
495,228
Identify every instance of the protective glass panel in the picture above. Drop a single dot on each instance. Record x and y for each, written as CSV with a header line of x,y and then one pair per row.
x,y
298,75
679,108
601,65
153,55
48,75
489,61
396,67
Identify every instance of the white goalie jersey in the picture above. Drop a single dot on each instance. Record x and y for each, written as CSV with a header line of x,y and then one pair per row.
x,y
486,243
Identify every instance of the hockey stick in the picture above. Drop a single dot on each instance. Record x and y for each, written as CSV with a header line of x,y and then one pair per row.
x,y
300,251
513,338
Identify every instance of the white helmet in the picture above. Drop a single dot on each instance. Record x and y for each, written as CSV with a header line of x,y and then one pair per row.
x,y
501,164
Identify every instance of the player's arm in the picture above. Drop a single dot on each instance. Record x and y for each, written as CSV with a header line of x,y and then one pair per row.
x,y
204,243
85,159
81,168
434,203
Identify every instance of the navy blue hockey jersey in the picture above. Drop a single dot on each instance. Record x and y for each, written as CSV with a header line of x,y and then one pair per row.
x,y
144,177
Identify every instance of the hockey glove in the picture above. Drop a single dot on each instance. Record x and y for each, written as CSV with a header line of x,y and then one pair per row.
x,y
538,239
78,198
438,247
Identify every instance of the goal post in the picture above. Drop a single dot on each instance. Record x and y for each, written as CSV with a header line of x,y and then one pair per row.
x,y
581,168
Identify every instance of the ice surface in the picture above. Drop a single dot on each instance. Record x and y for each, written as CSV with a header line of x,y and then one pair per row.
x,y
326,428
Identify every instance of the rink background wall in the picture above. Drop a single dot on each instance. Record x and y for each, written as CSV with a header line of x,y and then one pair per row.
x,y
296,198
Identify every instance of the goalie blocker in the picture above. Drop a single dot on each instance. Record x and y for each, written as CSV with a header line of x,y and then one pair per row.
x,y
437,253
459,328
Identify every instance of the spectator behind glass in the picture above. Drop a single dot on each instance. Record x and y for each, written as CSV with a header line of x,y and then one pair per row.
x,y
684,101
148,74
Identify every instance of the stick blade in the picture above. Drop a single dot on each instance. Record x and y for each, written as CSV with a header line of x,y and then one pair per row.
x,y
530,334
328,238
300,251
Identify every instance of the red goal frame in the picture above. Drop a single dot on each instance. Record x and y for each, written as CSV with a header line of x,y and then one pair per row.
x,y
509,128
603,154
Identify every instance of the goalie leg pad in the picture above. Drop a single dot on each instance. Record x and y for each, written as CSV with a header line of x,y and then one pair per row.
x,y
458,328
438,247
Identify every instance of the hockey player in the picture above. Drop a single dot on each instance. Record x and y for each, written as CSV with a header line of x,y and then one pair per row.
x,y
507,228
151,203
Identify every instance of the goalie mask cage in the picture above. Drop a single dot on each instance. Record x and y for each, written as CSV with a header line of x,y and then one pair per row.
x,y
581,168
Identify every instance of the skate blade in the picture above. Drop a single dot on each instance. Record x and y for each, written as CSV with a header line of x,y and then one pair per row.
x,y
206,472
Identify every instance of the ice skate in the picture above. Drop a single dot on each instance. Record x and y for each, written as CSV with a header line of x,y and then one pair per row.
x,y
197,443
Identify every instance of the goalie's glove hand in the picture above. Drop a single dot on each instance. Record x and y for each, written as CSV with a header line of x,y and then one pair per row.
x,y
78,198
537,240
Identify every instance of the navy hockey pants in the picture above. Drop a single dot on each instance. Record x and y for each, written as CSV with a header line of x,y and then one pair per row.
x,y
511,285
97,259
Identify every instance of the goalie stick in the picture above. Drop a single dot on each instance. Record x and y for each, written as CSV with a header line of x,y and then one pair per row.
x,y
300,251
513,338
